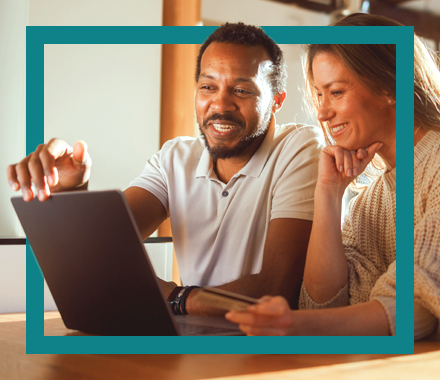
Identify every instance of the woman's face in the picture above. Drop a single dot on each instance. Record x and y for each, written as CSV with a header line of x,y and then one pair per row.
x,y
355,116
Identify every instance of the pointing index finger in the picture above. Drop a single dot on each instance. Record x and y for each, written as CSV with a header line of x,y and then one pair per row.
x,y
57,148
54,149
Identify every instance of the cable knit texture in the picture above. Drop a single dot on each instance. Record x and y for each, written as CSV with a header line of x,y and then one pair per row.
x,y
369,238
427,234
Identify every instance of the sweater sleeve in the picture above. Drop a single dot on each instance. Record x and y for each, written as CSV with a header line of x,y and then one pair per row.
x,y
364,267
368,256
384,291
427,274
307,302
427,250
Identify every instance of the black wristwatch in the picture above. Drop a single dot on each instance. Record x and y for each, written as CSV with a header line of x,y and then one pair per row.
x,y
175,299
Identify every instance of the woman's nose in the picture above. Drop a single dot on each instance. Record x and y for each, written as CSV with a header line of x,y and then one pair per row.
x,y
325,111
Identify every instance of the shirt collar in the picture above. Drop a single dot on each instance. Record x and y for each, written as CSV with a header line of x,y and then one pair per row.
x,y
205,167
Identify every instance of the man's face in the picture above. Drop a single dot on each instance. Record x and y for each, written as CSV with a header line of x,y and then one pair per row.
x,y
233,98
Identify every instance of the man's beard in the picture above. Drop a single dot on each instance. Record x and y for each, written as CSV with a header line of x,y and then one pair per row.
x,y
222,152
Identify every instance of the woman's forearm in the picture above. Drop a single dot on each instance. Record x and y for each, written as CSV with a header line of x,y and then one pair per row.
x,y
362,319
326,270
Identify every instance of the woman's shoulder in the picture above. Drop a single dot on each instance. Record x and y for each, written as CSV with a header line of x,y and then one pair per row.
x,y
427,151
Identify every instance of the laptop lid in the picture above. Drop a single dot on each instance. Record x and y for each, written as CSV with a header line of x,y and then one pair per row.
x,y
95,263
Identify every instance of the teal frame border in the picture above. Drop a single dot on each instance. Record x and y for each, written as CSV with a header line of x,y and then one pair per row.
x,y
402,343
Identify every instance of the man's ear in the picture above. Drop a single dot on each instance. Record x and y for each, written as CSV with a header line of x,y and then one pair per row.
x,y
278,101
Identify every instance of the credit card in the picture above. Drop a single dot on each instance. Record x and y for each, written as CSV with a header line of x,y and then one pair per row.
x,y
223,299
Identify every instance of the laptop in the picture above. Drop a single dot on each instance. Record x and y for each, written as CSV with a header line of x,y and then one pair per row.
x,y
92,256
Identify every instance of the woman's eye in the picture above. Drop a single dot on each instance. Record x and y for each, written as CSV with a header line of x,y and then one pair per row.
x,y
336,93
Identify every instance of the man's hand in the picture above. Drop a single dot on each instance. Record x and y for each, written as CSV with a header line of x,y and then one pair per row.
x,y
53,167
167,286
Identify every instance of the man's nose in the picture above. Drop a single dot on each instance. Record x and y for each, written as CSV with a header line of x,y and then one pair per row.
x,y
223,101
325,111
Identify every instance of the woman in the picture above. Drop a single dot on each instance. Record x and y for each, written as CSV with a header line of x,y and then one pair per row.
x,y
353,90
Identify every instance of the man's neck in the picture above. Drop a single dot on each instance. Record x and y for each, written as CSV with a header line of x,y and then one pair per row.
x,y
225,169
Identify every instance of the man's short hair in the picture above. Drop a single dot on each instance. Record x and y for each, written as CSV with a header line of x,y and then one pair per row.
x,y
249,35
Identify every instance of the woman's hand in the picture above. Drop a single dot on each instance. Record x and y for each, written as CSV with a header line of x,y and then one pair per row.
x,y
270,317
338,167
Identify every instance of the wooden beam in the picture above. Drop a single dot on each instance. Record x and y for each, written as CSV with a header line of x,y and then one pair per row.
x,y
318,6
178,70
395,2
425,24
178,83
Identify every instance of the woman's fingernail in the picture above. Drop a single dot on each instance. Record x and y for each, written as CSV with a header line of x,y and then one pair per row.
x,y
349,173
355,172
341,168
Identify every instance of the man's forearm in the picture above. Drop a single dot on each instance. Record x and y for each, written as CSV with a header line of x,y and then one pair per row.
x,y
281,271
256,286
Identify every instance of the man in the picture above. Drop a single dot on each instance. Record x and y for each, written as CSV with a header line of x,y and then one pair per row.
x,y
240,197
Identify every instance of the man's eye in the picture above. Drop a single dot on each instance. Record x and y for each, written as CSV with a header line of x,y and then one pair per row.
x,y
206,88
240,91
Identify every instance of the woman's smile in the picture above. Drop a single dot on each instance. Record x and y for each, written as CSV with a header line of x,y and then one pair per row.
x,y
338,129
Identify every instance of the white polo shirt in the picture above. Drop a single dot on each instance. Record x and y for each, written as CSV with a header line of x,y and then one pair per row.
x,y
219,229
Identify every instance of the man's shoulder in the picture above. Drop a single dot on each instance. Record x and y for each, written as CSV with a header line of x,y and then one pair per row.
x,y
183,146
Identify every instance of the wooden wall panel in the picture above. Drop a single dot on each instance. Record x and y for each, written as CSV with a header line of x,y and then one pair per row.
x,y
178,83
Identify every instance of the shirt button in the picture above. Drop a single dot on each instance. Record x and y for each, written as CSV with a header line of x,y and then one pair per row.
x,y
225,193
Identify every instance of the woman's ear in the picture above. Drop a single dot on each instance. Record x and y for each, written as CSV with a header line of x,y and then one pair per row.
x,y
389,99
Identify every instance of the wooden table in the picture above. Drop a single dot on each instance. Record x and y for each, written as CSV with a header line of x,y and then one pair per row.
x,y
15,364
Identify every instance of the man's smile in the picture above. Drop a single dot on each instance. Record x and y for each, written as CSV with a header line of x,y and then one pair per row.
x,y
223,127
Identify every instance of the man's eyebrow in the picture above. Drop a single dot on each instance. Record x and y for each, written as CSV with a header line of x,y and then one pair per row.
x,y
239,80
247,80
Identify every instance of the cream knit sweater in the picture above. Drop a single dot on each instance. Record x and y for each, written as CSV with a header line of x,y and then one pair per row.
x,y
426,234
369,239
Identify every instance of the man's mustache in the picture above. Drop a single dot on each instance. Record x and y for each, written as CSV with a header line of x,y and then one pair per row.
x,y
223,117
